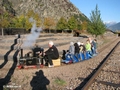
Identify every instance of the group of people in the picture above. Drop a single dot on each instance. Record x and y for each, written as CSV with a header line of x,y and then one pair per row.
x,y
77,52
80,51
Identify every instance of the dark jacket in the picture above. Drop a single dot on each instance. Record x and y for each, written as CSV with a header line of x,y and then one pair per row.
x,y
77,49
82,48
94,44
52,51
36,49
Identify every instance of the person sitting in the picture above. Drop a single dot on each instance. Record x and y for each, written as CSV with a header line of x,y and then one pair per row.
x,y
69,55
88,49
95,46
82,51
51,53
77,49
63,55
71,48
92,46
36,50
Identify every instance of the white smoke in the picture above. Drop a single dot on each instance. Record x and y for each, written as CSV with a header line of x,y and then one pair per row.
x,y
31,38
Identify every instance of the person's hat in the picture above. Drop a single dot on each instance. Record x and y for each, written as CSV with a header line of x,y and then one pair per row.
x,y
78,43
71,43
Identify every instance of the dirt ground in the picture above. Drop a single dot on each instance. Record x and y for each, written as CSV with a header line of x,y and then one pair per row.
x,y
57,78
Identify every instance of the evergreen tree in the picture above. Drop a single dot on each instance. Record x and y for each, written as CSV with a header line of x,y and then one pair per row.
x,y
62,24
96,26
72,23
79,26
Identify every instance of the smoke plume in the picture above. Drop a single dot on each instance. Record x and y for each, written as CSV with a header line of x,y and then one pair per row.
x,y
31,38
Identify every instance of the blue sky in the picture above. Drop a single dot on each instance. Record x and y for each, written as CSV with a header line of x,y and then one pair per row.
x,y
109,9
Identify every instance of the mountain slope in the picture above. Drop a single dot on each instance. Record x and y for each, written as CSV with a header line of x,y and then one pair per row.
x,y
45,8
109,23
115,27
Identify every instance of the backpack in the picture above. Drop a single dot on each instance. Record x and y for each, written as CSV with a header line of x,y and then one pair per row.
x,y
67,59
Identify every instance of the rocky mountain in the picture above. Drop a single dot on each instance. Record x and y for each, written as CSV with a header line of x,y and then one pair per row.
x,y
109,23
45,8
115,27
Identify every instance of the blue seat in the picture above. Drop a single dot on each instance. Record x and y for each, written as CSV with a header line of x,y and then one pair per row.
x,y
75,59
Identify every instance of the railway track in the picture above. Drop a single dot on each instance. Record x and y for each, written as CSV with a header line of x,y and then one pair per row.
x,y
88,81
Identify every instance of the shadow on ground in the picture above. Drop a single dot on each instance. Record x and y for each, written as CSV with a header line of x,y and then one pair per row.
x,y
6,79
7,54
39,82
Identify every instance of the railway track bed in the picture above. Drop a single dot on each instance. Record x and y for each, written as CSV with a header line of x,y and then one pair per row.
x,y
106,75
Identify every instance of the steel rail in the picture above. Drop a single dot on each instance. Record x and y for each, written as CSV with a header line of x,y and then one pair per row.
x,y
91,78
